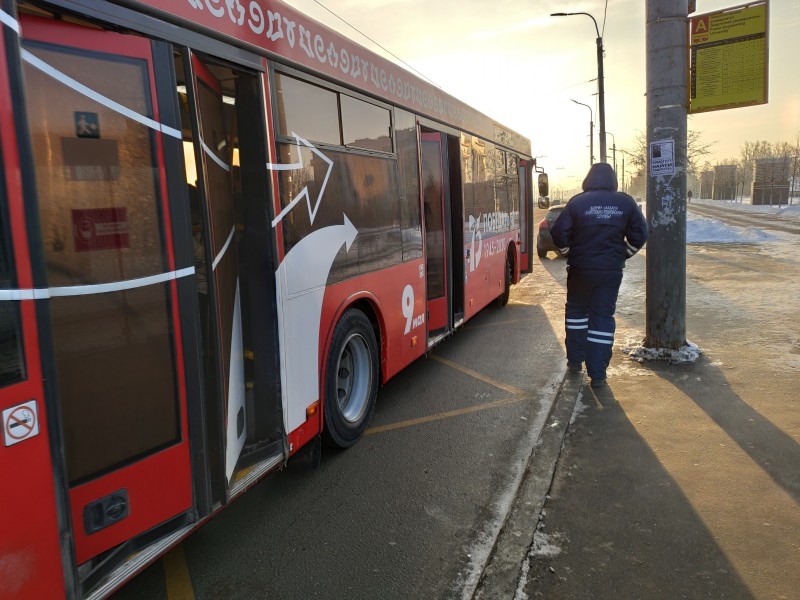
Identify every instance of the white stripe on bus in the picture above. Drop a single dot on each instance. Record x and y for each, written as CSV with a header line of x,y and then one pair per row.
x,y
216,158
98,288
224,249
9,21
96,96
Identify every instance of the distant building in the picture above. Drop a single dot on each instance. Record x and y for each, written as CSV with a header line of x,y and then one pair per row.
x,y
771,180
706,184
724,182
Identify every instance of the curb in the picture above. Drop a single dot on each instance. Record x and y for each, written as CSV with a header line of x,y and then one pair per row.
x,y
502,572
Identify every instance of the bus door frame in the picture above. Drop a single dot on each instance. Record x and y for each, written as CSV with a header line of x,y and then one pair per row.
x,y
46,538
525,171
453,227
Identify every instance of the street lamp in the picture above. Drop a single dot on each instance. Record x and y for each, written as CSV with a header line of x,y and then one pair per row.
x,y
613,150
591,132
600,84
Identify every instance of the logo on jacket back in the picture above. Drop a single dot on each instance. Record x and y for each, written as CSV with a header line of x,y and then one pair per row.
x,y
604,212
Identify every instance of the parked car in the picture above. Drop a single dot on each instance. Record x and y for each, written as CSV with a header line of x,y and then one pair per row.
x,y
544,242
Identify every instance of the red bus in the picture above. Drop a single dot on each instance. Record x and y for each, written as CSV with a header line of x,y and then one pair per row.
x,y
224,225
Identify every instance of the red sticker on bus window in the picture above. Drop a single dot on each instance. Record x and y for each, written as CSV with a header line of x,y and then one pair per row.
x,y
100,229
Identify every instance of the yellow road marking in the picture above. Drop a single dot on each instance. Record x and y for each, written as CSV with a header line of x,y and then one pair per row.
x,y
446,415
176,573
498,384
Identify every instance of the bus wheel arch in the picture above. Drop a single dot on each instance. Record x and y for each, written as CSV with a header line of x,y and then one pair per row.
x,y
351,375
509,271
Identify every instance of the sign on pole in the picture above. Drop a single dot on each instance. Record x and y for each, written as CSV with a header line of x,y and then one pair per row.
x,y
729,58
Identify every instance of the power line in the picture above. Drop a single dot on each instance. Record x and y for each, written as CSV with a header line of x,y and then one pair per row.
x,y
376,43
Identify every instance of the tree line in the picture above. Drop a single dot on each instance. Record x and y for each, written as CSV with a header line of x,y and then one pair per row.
x,y
698,149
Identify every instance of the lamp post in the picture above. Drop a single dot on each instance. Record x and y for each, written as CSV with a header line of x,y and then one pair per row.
x,y
600,84
591,132
613,150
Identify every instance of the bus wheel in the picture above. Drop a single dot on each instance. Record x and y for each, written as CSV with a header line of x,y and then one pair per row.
x,y
351,380
502,299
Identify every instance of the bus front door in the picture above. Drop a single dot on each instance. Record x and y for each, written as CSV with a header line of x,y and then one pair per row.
x,y
117,331
433,193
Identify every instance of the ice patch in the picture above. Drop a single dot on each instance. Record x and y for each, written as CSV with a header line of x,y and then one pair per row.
x,y
545,545
685,355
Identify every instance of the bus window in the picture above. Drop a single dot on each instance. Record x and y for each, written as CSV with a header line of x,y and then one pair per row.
x,y
308,110
365,125
95,177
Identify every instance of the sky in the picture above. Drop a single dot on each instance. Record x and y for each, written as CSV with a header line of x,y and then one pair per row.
x,y
514,62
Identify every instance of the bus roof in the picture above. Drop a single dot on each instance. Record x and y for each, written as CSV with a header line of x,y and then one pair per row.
x,y
278,30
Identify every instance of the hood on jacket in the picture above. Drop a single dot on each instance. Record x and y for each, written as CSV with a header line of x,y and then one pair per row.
x,y
601,176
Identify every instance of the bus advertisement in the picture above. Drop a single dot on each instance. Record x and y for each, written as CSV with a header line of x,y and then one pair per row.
x,y
224,227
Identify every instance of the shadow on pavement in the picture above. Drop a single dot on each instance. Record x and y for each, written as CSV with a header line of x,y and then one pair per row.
x,y
770,447
617,525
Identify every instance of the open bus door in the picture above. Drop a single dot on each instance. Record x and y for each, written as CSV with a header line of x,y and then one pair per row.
x,y
434,186
119,312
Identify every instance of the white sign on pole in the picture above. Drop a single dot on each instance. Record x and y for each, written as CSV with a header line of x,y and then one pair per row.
x,y
662,158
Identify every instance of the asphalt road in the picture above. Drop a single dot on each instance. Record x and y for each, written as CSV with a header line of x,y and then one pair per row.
x,y
413,509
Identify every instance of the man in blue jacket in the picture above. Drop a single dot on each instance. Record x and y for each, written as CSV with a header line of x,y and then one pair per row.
x,y
597,231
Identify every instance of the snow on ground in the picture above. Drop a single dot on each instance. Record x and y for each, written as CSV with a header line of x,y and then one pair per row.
x,y
700,229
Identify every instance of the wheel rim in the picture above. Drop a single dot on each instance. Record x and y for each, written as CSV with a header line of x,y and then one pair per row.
x,y
353,378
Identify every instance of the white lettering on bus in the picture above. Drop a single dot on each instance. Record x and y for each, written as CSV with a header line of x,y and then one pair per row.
x,y
214,8
407,303
320,48
290,26
486,223
274,33
235,11
355,71
256,20
333,56
305,41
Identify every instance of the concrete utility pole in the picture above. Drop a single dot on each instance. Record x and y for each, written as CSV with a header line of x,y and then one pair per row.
x,y
667,101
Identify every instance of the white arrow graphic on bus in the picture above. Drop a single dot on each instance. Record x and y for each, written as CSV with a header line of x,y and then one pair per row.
x,y
312,210
301,279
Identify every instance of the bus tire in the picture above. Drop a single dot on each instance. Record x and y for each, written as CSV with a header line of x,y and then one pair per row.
x,y
351,380
502,299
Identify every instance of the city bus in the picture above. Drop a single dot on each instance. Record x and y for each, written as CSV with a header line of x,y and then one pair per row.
x,y
224,226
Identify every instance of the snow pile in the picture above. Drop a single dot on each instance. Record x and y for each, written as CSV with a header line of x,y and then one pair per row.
x,y
703,229
683,356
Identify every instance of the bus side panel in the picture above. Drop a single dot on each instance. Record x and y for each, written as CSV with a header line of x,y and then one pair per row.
x,y
485,279
30,556
398,298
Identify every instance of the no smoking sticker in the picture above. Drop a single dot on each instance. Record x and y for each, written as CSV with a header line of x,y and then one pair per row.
x,y
20,423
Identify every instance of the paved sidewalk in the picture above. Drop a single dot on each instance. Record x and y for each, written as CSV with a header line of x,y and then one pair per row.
x,y
673,481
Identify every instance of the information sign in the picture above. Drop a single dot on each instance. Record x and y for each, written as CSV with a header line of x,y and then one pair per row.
x,y
729,58
662,158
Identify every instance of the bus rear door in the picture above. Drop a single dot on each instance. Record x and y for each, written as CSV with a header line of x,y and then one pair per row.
x,y
433,197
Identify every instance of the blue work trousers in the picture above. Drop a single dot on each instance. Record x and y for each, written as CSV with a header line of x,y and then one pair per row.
x,y
589,318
